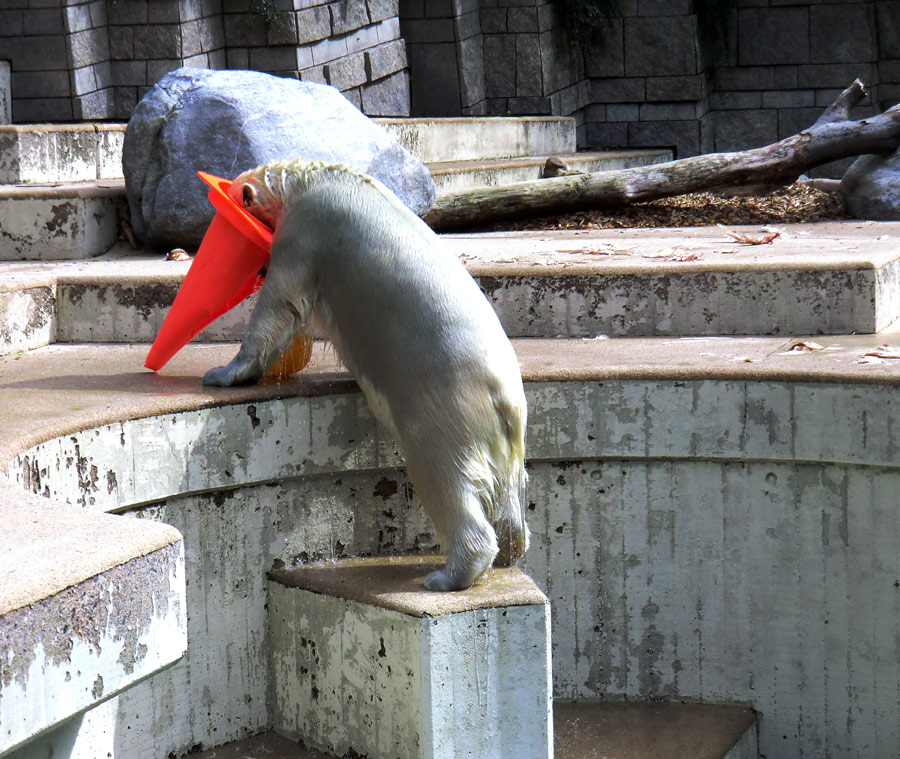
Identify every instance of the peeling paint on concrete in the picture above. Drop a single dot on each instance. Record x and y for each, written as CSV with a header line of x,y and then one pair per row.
x,y
27,319
64,653
695,303
53,229
36,155
712,540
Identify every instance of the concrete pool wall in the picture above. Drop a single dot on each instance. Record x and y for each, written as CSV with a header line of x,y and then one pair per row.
x,y
713,539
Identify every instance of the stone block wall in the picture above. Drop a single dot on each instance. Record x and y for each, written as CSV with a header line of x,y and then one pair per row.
x,y
5,93
148,38
94,59
649,80
35,42
788,63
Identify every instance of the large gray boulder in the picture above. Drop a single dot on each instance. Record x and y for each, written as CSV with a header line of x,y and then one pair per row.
x,y
871,187
225,122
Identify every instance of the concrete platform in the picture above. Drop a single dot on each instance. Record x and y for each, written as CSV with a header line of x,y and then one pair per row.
x,y
69,220
592,730
830,278
367,662
678,485
456,176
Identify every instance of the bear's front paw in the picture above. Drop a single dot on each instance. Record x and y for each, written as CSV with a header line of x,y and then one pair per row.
x,y
221,376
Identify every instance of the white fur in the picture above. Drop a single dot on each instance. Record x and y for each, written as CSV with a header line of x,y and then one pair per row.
x,y
422,341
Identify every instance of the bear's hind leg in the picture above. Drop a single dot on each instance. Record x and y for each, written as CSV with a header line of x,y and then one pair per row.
x,y
470,541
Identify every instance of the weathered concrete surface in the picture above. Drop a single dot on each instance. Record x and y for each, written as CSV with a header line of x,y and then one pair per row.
x,y
392,671
621,730
5,93
39,153
27,318
713,518
587,730
88,607
816,279
456,176
46,153
53,222
467,139
824,278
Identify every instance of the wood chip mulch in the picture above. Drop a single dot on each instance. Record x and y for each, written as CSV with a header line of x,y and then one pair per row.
x,y
796,204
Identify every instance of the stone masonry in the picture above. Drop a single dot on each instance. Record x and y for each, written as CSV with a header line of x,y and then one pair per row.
x,y
5,94
650,79
94,59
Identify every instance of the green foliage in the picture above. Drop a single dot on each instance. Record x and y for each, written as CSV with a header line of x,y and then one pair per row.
x,y
265,8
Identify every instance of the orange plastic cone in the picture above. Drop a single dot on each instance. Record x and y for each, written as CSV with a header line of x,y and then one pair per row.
x,y
225,270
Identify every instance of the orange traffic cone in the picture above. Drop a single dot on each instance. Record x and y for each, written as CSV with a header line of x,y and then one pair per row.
x,y
225,270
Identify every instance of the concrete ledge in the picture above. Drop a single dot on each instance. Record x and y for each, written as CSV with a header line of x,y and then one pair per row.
x,y
40,153
466,139
456,176
677,487
89,606
54,223
829,278
389,670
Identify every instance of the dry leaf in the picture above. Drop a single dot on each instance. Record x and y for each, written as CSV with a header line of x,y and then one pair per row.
x,y
804,346
679,257
788,205
745,239
884,351
177,254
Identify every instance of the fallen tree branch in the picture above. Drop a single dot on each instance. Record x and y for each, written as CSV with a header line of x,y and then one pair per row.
x,y
831,138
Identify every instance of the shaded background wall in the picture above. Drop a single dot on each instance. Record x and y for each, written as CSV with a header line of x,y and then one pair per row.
x,y
651,78
94,59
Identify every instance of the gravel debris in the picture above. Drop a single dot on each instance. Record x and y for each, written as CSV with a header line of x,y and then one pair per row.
x,y
796,204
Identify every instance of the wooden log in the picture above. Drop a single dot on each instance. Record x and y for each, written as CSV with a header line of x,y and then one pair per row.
x,y
831,138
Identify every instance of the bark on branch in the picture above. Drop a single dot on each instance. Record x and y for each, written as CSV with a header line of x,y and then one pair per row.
x,y
831,138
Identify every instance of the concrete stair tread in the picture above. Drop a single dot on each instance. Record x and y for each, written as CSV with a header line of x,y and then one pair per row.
x,y
573,159
55,190
660,730
828,278
87,377
585,730
48,152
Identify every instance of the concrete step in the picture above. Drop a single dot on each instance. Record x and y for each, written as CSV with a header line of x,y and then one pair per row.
x,y
473,139
456,176
834,278
366,662
58,221
592,730
42,153
49,227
